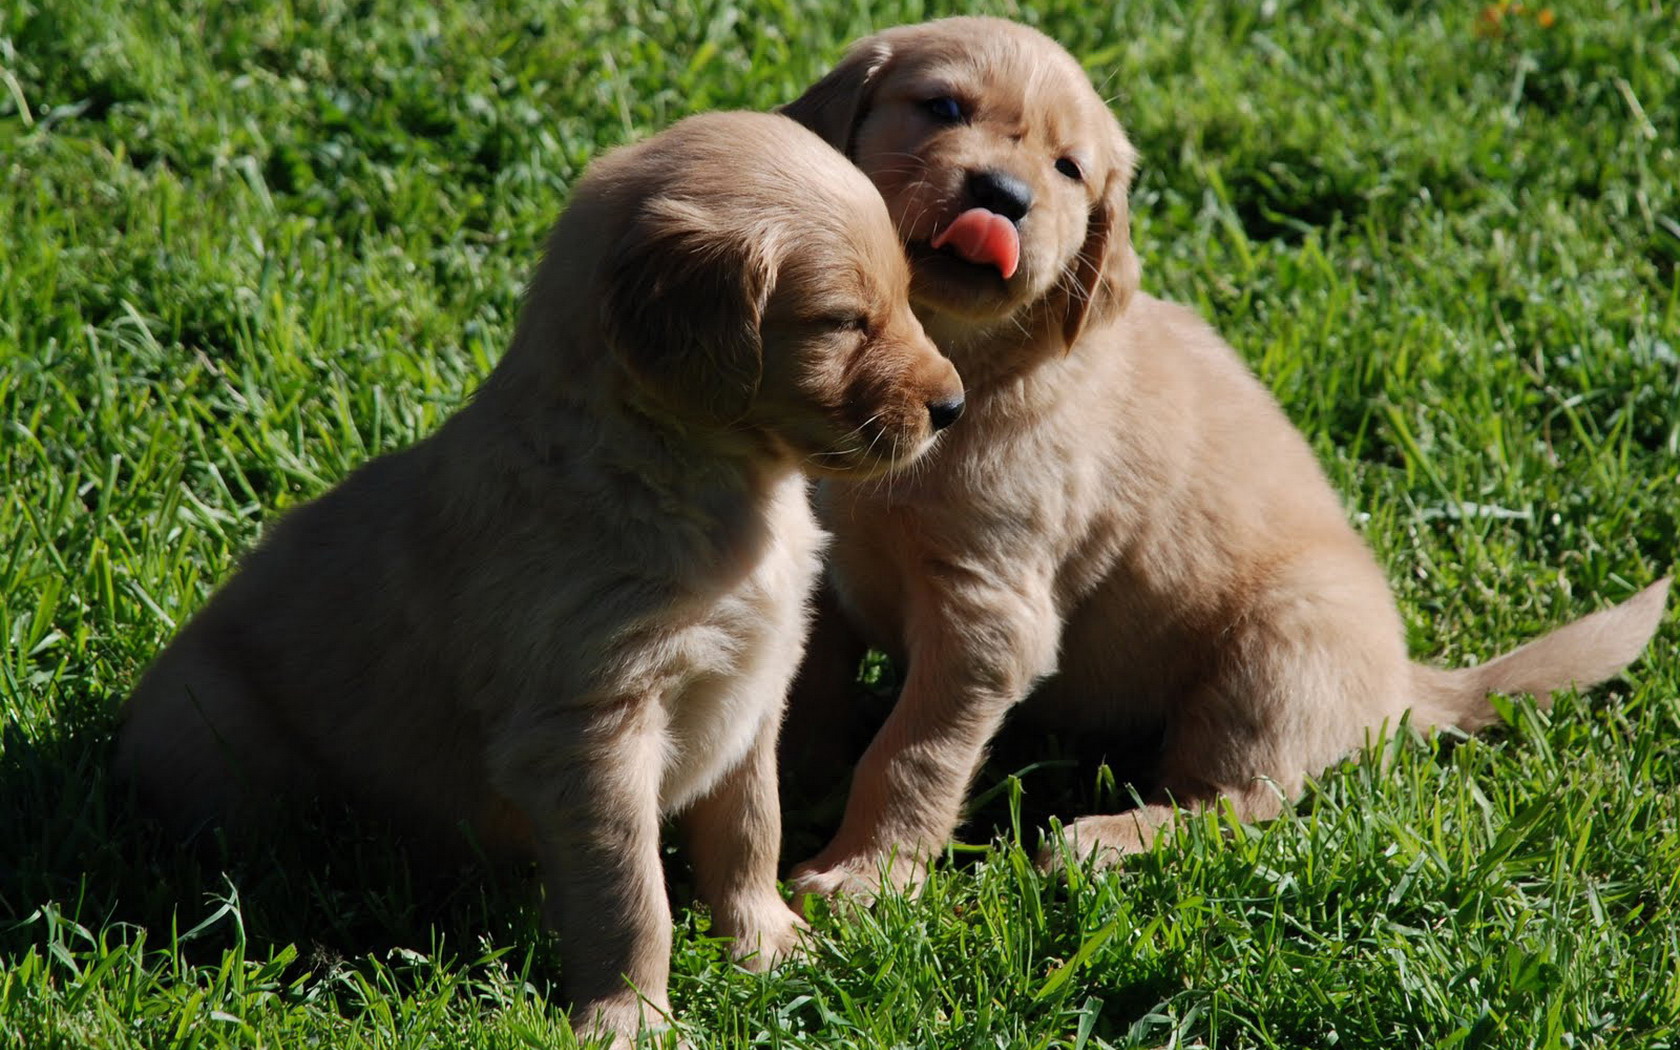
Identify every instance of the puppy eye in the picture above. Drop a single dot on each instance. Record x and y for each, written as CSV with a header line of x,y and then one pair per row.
x,y
1070,167
944,109
848,322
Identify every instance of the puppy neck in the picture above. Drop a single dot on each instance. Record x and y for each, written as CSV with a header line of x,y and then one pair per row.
x,y
695,445
994,354
717,492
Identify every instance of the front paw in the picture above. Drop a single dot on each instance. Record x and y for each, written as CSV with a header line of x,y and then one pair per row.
x,y
766,936
858,880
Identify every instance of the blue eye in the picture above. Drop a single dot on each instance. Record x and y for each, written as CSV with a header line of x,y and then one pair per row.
x,y
944,109
1070,167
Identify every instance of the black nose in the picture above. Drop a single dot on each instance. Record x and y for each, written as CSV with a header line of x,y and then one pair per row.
x,y
943,413
1001,192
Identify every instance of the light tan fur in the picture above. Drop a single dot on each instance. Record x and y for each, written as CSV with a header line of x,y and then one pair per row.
x,y
1126,533
575,609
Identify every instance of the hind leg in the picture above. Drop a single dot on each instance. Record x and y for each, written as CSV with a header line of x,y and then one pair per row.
x,y
199,748
1299,683
1209,760
1108,839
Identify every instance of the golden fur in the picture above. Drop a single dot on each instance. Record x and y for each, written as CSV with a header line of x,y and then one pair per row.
x,y
1125,529
576,608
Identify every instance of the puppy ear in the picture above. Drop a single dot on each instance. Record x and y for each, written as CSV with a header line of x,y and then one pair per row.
x,y
1105,273
683,296
834,106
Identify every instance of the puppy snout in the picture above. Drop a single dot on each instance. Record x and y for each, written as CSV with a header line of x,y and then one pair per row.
x,y
944,391
1000,192
944,411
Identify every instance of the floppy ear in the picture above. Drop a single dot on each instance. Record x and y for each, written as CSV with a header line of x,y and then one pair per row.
x,y
834,106
683,295
1105,273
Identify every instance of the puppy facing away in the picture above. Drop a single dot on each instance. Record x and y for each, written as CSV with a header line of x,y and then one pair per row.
x,y
576,608
1126,534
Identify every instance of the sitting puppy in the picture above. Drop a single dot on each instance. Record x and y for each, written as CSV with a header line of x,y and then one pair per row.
x,y
576,608
1126,529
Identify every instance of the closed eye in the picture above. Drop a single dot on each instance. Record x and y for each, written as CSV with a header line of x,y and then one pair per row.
x,y
944,109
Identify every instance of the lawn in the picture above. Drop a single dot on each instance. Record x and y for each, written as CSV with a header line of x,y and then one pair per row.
x,y
245,246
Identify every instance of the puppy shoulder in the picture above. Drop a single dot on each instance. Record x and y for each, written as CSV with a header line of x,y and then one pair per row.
x,y
1165,323
1176,336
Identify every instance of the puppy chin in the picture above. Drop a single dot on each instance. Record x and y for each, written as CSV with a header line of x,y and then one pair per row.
x,y
864,466
945,282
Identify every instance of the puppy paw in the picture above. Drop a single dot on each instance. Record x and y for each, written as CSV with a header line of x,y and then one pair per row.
x,y
858,881
1106,841
619,1022
841,880
766,937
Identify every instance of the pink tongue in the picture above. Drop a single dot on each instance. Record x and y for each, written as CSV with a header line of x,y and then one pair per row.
x,y
984,237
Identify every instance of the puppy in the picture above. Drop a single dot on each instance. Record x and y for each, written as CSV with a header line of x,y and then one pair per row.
x,y
576,608
1126,529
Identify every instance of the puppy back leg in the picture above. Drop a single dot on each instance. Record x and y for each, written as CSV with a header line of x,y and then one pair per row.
x,y
734,833
1109,838
200,749
974,654
589,782
1299,685
1209,759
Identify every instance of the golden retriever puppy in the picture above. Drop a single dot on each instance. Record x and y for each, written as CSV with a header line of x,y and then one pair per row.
x,y
1126,532
576,608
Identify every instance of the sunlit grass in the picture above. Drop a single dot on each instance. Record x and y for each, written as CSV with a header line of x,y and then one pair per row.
x,y
247,246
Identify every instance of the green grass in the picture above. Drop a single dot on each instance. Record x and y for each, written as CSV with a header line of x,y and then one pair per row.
x,y
247,246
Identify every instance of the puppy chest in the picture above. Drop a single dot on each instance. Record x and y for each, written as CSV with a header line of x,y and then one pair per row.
x,y
733,671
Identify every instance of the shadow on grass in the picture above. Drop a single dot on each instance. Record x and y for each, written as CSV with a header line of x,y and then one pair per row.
x,y
75,848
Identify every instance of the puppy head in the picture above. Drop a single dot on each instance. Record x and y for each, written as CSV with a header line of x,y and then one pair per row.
x,y
756,288
1005,174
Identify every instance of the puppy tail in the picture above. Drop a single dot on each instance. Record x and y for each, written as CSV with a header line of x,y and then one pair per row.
x,y
1578,654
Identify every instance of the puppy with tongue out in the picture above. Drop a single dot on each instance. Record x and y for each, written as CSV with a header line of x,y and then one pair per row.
x,y
1126,537
1008,191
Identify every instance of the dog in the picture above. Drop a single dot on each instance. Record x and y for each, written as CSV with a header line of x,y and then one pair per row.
x,y
1127,536
576,607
